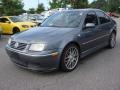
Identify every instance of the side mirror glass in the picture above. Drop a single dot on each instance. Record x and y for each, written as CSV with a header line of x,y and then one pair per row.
x,y
90,25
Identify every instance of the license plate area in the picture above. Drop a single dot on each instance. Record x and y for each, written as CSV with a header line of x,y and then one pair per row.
x,y
16,59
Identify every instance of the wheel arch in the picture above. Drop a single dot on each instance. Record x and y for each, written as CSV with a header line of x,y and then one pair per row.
x,y
71,42
114,31
15,27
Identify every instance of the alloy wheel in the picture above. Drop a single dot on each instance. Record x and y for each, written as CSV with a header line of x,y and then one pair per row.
x,y
71,58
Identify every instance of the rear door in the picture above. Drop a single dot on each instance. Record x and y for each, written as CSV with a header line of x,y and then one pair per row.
x,y
104,27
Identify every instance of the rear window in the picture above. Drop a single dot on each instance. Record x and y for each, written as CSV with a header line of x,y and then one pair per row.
x,y
103,18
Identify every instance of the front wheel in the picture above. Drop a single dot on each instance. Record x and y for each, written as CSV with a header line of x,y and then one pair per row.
x,y
16,30
70,58
112,40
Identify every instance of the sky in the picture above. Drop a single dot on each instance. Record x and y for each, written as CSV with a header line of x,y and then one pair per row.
x,y
34,3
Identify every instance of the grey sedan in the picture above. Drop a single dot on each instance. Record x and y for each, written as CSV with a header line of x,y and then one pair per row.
x,y
62,40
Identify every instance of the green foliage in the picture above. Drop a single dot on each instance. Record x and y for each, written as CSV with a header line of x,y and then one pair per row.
x,y
114,5
40,8
100,4
31,11
55,4
79,3
106,5
64,3
11,7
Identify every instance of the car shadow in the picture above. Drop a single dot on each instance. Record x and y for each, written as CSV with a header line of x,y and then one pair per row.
x,y
81,64
82,61
88,57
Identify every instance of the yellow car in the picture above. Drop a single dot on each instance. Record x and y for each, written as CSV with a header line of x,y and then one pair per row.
x,y
13,24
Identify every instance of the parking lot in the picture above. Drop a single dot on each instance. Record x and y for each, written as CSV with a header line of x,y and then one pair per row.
x,y
99,71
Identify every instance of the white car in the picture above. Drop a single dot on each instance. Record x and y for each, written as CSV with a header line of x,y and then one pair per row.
x,y
43,16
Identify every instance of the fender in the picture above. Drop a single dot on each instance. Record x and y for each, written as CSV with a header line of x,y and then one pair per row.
x,y
68,41
113,29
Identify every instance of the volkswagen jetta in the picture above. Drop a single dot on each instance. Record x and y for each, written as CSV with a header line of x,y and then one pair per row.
x,y
62,40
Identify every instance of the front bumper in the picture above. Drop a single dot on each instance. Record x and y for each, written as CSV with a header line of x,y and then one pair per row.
x,y
46,62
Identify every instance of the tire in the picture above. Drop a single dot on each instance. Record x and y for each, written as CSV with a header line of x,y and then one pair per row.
x,y
70,58
16,30
112,40
39,24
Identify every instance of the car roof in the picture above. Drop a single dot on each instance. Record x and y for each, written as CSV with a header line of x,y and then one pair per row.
x,y
84,10
6,16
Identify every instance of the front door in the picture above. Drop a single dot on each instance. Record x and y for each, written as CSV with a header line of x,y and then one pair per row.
x,y
5,25
89,33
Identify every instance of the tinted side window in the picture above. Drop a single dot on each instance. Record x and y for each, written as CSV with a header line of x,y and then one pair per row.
x,y
91,18
3,20
103,18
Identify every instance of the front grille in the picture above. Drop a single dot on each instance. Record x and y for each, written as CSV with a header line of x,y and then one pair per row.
x,y
18,45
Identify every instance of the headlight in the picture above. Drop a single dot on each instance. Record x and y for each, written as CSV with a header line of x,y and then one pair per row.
x,y
25,26
37,47
9,41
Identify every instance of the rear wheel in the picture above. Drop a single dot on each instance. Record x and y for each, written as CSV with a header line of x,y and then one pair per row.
x,y
112,40
70,58
16,30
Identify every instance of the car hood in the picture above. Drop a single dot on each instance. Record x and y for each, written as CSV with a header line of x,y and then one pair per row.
x,y
25,23
42,34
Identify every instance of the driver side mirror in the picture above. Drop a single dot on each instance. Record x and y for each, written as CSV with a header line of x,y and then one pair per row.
x,y
90,25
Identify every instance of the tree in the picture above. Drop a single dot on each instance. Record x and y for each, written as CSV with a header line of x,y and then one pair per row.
x,y
106,5
1,9
11,7
64,3
31,11
113,5
100,4
79,3
55,4
40,8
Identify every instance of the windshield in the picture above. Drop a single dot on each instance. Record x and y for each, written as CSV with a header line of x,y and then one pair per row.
x,y
16,19
34,17
69,19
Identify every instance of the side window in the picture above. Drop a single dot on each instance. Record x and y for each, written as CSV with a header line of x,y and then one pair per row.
x,y
103,18
3,20
91,18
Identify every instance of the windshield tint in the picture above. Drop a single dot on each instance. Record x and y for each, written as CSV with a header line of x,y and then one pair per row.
x,y
69,19
16,19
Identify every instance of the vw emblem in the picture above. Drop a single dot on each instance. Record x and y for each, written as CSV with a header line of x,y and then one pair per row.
x,y
16,45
